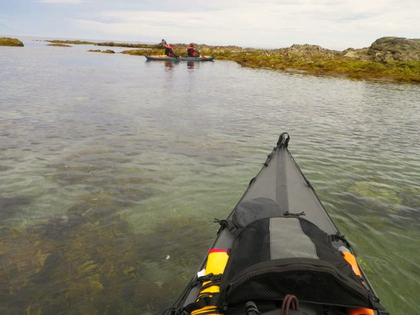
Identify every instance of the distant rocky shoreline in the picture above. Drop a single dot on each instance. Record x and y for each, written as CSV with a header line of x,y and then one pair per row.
x,y
394,59
387,59
385,49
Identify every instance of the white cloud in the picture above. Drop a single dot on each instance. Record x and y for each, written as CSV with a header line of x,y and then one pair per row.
x,y
336,24
61,1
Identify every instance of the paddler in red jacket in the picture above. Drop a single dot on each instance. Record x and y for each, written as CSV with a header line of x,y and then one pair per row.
x,y
192,52
169,51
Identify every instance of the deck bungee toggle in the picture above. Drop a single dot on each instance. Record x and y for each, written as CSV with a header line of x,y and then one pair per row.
x,y
279,252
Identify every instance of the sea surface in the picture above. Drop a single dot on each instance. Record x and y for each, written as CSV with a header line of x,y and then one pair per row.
x,y
112,170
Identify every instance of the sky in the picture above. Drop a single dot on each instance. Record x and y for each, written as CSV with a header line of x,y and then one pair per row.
x,y
332,24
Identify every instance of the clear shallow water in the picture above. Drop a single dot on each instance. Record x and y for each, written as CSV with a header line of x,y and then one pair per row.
x,y
109,165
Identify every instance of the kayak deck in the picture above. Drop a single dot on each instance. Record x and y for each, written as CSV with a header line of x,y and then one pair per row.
x,y
203,58
279,239
281,180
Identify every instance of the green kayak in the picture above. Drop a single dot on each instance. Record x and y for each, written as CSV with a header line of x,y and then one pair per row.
x,y
166,58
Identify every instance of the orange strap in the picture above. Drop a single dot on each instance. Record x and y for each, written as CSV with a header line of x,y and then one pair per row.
x,y
349,257
360,311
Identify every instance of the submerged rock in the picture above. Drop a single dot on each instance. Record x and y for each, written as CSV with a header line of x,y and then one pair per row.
x,y
96,264
376,192
13,206
7,41
57,226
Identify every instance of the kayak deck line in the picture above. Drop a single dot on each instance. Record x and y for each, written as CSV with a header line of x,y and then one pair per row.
x,y
279,250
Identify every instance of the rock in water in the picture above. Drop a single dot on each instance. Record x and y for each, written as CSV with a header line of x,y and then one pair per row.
x,y
7,41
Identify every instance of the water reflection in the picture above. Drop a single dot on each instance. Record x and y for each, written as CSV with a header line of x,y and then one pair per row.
x,y
100,182
169,64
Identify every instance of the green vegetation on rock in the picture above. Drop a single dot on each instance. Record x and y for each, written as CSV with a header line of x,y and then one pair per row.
x,y
74,42
7,41
387,59
59,45
311,59
108,51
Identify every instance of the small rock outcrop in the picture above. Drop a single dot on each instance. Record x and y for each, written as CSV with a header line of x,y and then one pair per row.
x,y
388,49
7,41
309,50
59,45
108,51
357,54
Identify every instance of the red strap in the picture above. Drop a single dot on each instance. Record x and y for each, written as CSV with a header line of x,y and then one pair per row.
x,y
215,250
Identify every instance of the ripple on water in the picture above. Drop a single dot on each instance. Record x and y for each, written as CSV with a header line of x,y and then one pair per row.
x,y
99,186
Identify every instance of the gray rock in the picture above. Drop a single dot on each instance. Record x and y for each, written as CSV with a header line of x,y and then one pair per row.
x,y
308,50
357,54
388,49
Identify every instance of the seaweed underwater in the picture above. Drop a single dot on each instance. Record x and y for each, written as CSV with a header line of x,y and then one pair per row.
x,y
90,259
85,264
